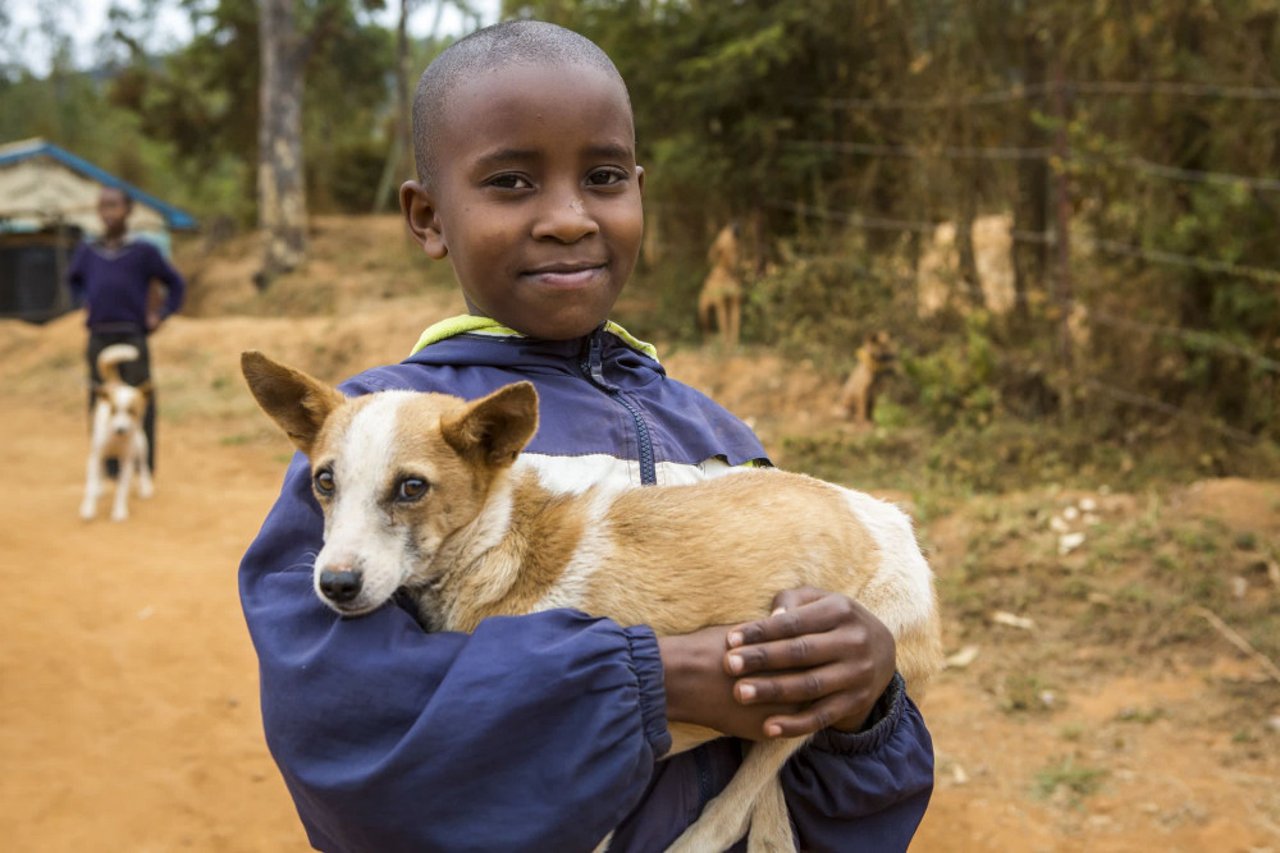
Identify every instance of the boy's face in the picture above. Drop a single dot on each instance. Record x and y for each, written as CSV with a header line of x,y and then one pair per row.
x,y
113,210
536,198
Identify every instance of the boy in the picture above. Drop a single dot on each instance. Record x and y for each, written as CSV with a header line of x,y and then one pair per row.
x,y
544,732
112,277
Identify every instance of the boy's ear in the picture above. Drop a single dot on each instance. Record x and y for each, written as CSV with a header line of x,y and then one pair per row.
x,y
298,403
496,428
640,178
419,211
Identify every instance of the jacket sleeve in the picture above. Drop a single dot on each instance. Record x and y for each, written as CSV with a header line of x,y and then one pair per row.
x,y
533,733
864,791
175,284
75,275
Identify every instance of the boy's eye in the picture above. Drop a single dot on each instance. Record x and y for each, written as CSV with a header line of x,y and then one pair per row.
x,y
606,177
510,182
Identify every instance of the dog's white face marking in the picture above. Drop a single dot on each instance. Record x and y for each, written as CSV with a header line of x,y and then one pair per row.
x,y
394,495
360,533
127,404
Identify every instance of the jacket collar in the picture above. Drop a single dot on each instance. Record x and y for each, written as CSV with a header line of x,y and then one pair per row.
x,y
470,324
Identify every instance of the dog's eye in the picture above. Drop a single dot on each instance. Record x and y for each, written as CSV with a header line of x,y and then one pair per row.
x,y
410,489
324,481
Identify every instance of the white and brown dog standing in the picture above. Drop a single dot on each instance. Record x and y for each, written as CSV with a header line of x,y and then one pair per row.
x,y
429,493
117,434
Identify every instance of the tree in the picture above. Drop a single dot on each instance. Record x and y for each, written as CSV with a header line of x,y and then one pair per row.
x,y
282,201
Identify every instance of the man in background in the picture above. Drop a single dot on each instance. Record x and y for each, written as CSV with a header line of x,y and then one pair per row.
x,y
113,278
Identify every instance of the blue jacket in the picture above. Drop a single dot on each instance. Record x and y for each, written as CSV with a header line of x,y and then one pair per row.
x,y
539,732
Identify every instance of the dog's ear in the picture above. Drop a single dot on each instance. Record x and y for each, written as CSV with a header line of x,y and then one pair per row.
x,y
495,428
145,388
298,403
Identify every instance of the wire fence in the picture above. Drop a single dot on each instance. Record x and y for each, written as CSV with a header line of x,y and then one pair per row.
x,y
1137,165
1044,238
1070,88
1059,159
1129,397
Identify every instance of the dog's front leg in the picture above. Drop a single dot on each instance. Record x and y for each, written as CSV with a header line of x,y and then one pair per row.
x,y
145,487
770,822
725,818
92,486
120,509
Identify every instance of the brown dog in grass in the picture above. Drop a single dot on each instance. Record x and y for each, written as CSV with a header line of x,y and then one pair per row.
x,y
427,493
877,360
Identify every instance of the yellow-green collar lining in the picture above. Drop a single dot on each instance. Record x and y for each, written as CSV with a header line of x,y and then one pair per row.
x,y
470,324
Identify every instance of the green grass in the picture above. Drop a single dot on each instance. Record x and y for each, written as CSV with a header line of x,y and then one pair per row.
x,y
1078,780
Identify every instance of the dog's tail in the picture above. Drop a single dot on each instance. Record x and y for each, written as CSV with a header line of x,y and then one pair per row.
x,y
110,359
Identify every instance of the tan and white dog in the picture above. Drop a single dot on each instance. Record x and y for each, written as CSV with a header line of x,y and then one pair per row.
x,y
117,434
720,300
429,493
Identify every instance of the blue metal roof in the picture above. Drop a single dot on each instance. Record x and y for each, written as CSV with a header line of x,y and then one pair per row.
x,y
9,154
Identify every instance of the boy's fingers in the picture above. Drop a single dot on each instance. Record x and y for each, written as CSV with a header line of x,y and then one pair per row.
x,y
789,599
815,718
802,652
810,685
814,617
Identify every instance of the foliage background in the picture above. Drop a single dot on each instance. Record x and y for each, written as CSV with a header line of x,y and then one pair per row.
x,y
839,133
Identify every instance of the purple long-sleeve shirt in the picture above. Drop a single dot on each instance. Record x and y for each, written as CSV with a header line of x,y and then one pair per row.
x,y
113,284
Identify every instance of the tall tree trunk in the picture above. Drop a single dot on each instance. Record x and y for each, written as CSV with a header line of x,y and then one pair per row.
x,y
282,200
402,139
1031,207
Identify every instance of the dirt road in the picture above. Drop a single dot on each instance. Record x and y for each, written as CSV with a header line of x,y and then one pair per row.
x,y
128,686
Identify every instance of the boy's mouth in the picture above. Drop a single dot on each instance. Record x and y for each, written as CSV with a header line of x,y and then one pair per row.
x,y
565,274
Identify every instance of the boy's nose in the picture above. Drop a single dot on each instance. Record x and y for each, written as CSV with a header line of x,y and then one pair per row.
x,y
565,219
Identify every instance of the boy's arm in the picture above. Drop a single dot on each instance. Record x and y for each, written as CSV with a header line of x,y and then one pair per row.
x,y
175,284
866,791
75,274
825,665
533,733
864,781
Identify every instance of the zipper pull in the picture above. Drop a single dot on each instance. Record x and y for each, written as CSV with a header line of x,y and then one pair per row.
x,y
594,366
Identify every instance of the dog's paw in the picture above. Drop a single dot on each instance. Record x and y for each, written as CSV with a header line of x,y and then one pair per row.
x,y
119,514
145,489
88,511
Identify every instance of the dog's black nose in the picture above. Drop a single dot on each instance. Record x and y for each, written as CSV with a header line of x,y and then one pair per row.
x,y
340,586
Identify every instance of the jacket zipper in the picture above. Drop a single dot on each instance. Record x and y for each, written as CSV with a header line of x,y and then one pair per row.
x,y
593,369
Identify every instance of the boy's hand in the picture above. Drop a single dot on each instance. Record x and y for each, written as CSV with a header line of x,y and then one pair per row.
x,y
700,691
820,650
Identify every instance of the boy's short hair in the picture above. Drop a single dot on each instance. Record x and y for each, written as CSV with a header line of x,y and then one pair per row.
x,y
125,195
507,43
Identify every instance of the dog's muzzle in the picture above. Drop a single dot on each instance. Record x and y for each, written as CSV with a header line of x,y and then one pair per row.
x,y
340,586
